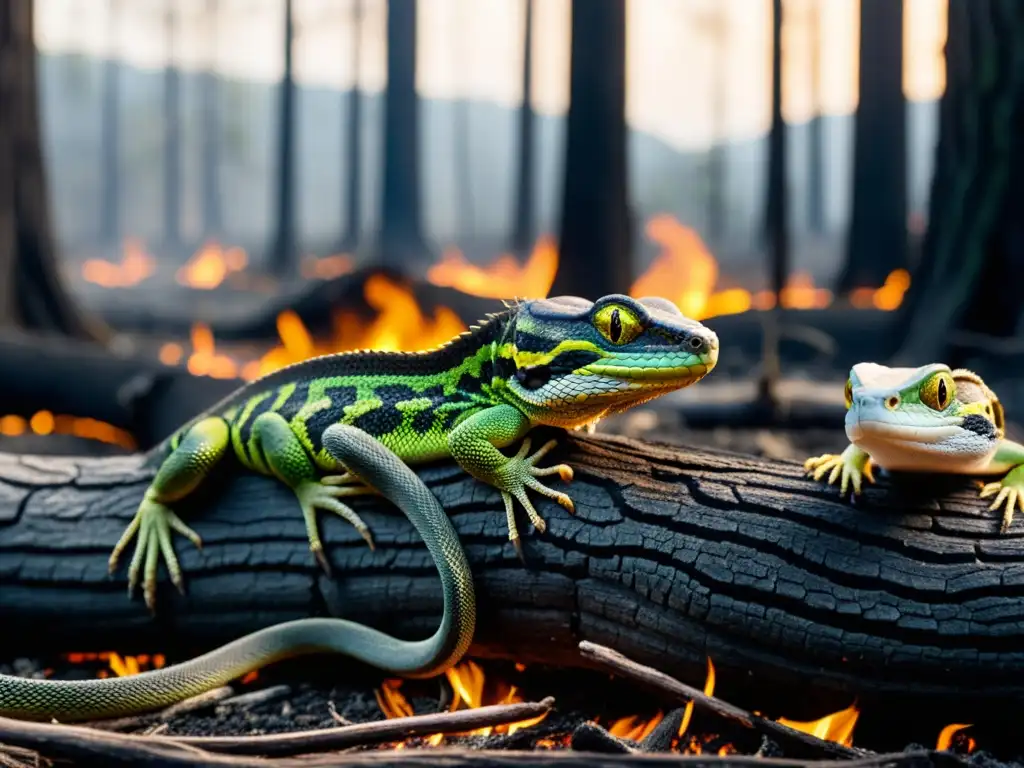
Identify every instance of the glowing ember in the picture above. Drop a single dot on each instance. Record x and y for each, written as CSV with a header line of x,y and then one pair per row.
x,y
888,297
836,727
469,691
949,733
46,423
503,278
326,267
135,266
210,265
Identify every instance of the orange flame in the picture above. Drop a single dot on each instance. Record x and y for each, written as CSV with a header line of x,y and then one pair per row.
x,y
946,735
210,265
46,423
503,278
469,691
135,266
122,666
709,689
836,727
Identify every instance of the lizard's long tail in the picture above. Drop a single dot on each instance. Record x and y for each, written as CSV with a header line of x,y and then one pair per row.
x,y
383,470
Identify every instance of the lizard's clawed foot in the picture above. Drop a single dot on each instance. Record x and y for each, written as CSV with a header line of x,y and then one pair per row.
x,y
153,523
1010,496
313,495
521,472
840,467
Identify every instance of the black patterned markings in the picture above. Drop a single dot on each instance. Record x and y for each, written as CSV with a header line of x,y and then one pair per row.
x,y
428,402
320,420
245,428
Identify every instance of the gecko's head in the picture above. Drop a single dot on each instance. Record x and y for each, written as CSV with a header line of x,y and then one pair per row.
x,y
921,417
576,361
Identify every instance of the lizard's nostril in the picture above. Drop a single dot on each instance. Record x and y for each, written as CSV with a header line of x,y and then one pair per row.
x,y
892,401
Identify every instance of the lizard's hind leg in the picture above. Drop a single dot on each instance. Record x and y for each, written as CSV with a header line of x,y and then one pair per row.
x,y
291,463
199,449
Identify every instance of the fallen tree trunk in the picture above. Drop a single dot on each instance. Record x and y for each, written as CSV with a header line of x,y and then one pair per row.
x,y
671,555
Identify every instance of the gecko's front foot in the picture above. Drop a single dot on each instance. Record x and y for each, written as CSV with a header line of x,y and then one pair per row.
x,y
521,472
1011,495
153,523
314,495
849,468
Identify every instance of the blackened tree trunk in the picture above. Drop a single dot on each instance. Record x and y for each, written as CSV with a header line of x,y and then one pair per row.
x,y
877,240
776,222
972,264
32,294
400,242
523,218
816,146
282,255
595,230
110,138
213,216
172,134
353,139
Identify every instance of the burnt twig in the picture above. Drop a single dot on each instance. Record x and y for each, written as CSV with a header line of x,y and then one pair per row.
x,y
795,742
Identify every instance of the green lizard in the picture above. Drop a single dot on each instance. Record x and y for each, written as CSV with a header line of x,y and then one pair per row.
x,y
926,419
335,426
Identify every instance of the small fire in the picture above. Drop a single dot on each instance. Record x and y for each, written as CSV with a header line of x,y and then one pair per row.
x,y
953,732
836,727
210,266
686,272
46,423
399,324
135,266
469,691
122,666
503,278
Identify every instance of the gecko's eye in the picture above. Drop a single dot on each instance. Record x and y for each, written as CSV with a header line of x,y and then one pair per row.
x,y
848,394
938,392
617,324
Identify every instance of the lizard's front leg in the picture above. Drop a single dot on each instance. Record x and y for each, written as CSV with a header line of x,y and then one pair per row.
x,y
292,465
1010,489
474,445
200,448
848,467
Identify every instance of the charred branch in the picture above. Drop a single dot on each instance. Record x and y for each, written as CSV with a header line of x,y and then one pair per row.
x,y
801,600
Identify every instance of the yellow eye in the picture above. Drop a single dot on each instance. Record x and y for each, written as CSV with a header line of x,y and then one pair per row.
x,y
848,394
938,392
617,324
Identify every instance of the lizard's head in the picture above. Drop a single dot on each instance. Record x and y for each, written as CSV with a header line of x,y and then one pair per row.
x,y
921,418
576,361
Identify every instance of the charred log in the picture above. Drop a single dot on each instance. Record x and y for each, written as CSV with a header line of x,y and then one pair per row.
x,y
32,293
672,555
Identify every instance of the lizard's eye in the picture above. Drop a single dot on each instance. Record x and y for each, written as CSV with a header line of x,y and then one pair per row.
x,y
617,324
938,392
848,394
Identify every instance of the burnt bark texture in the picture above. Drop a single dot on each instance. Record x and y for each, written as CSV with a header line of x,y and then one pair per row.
x,y
400,241
595,241
282,254
32,293
672,554
877,238
972,263
523,214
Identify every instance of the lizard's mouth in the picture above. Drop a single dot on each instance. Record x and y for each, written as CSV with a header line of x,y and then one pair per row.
x,y
661,368
902,433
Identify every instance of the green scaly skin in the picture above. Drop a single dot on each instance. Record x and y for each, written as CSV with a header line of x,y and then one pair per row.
x,y
926,419
563,362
